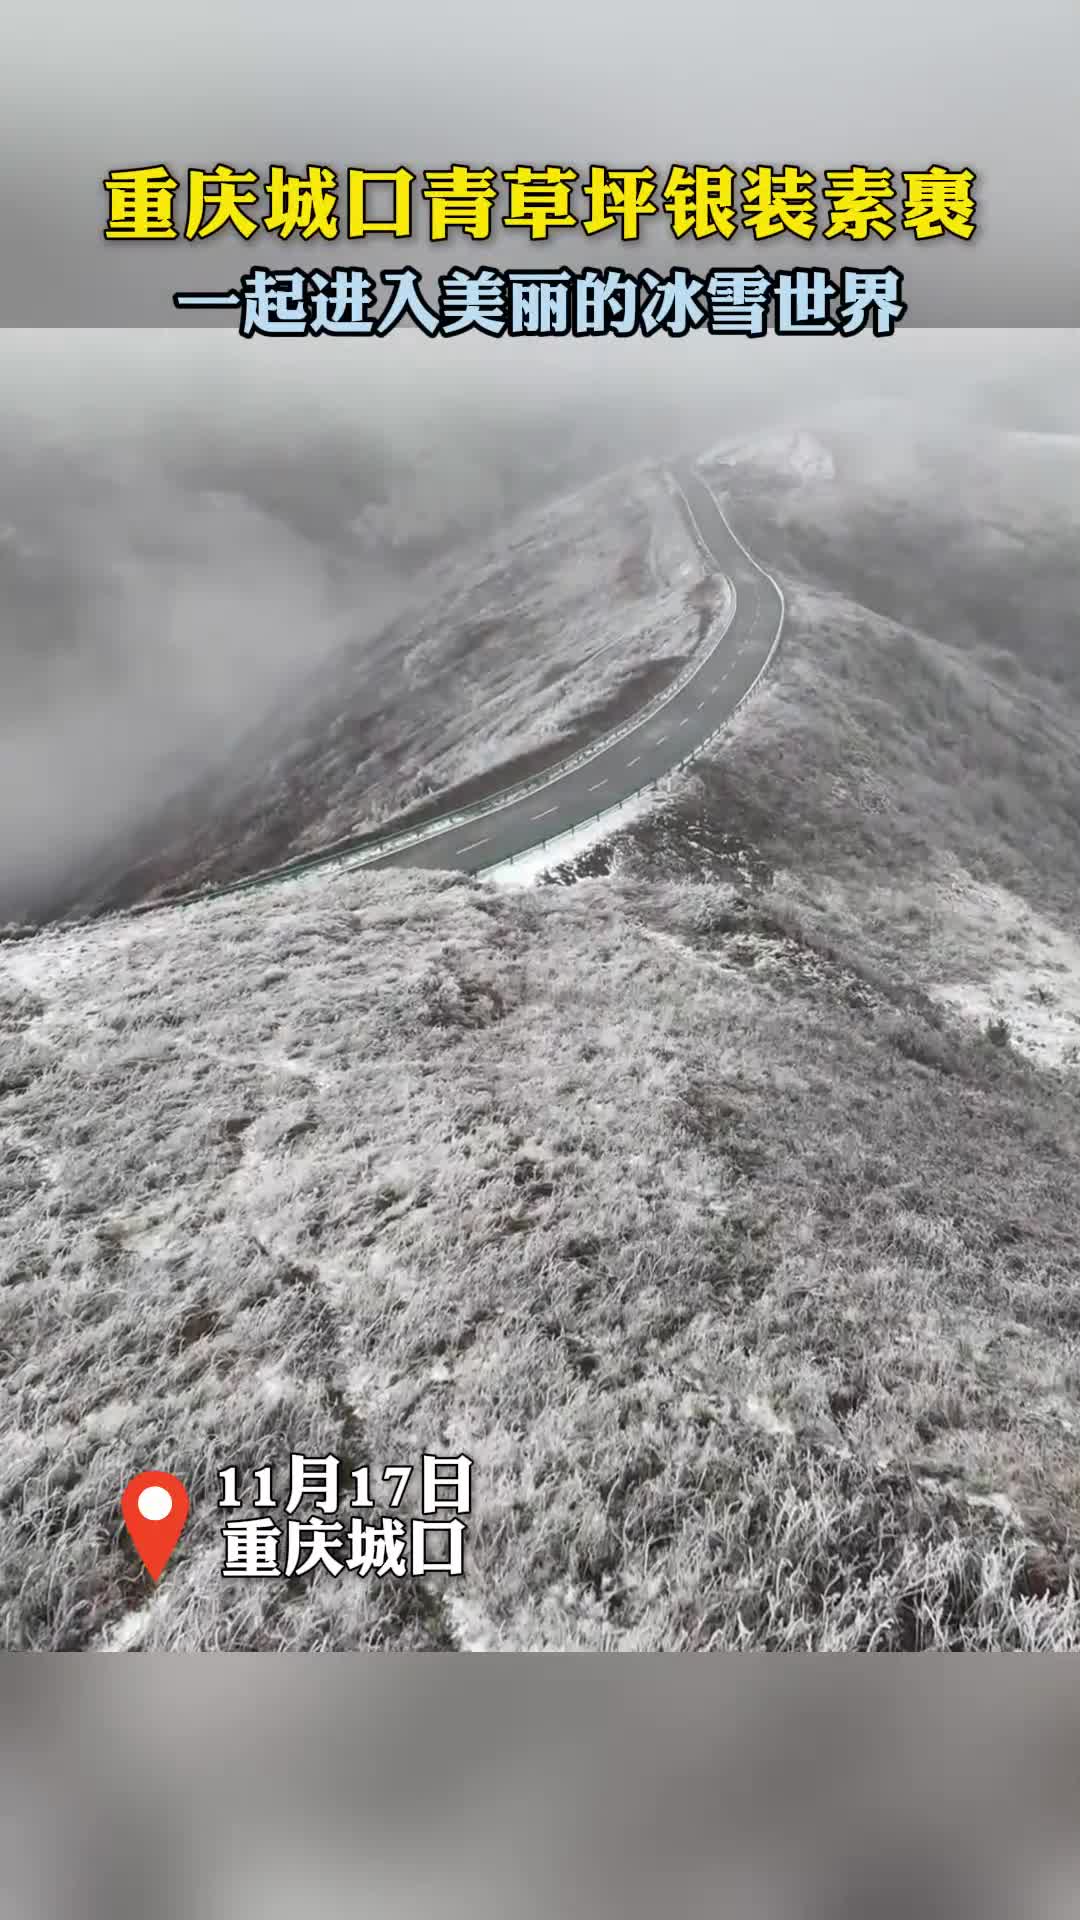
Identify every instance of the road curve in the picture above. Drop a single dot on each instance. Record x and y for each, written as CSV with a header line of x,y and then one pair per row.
x,y
650,750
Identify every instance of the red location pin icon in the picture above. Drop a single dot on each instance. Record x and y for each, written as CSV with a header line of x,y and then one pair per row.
x,y
155,1507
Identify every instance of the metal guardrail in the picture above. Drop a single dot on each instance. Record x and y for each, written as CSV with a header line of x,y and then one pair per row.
x,y
378,847
654,786
522,790
351,858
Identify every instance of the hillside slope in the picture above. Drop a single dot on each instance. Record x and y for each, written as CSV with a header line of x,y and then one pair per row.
x,y
696,1201
509,654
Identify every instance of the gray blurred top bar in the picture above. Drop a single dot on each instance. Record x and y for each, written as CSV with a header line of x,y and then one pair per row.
x,y
835,86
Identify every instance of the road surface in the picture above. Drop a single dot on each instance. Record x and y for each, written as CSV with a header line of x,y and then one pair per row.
x,y
652,749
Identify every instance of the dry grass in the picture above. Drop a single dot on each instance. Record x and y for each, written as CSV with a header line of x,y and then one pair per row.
x,y
510,655
742,1266
747,1287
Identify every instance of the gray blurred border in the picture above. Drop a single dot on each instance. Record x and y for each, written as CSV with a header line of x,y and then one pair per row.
x,y
809,1788
83,91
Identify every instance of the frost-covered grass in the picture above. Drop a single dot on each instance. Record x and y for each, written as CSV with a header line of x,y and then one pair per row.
x,y
570,849
526,646
746,1278
691,1201
912,754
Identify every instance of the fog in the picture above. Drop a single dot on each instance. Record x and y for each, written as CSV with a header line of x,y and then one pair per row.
x,y
192,526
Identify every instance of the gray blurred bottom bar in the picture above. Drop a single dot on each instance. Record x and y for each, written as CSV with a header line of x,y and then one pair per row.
x,y
539,1784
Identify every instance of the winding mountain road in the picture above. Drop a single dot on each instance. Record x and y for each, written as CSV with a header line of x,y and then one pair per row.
x,y
649,750
599,782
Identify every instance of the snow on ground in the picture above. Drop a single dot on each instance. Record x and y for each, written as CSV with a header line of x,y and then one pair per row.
x,y
507,656
797,455
510,648
527,868
1032,979
552,618
598,1185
